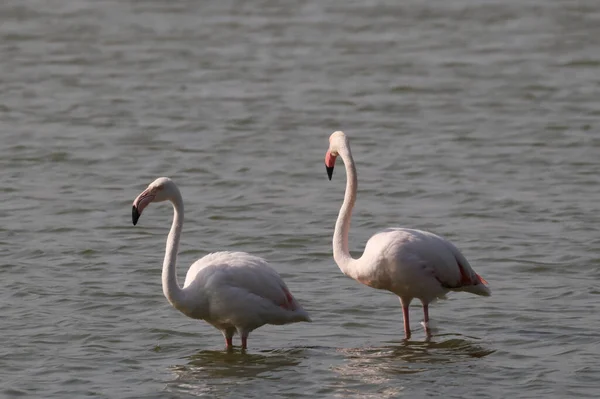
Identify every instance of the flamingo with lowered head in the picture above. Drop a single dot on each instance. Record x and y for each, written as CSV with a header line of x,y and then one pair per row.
x,y
233,291
409,263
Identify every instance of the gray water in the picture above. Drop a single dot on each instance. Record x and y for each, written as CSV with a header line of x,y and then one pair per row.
x,y
477,120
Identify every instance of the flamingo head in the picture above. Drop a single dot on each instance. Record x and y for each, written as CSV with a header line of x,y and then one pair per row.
x,y
337,140
159,190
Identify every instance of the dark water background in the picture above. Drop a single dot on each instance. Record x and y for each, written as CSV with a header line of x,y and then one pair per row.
x,y
477,120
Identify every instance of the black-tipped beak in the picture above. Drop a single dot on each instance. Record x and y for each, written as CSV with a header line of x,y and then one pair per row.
x,y
135,215
329,171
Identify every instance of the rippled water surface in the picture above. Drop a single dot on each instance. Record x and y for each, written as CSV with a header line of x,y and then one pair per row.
x,y
477,120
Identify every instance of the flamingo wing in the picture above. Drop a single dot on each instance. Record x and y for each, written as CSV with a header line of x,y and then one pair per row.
x,y
419,251
448,264
238,280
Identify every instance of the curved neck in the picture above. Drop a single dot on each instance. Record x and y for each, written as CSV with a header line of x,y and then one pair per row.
x,y
341,253
171,288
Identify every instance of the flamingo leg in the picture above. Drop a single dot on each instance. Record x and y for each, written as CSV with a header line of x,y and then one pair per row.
x,y
405,303
228,334
426,320
406,322
244,342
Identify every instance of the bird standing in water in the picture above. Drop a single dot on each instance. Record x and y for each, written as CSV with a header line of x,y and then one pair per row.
x,y
233,291
410,263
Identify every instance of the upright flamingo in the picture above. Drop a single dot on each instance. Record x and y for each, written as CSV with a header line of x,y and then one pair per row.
x,y
410,263
233,291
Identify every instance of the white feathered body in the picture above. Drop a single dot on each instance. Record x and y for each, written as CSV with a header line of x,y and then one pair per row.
x,y
236,290
417,264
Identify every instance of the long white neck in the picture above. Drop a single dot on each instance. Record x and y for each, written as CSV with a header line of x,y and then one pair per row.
x,y
171,288
341,253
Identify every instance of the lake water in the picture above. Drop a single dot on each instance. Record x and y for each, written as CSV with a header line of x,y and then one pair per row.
x,y
477,120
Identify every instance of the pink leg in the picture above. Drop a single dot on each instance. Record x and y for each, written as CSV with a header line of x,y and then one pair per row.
x,y
406,321
426,320
228,334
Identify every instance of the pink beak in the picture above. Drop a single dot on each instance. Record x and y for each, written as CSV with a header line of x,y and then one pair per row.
x,y
139,204
329,163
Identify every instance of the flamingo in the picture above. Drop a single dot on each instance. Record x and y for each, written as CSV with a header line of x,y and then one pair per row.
x,y
233,291
409,263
